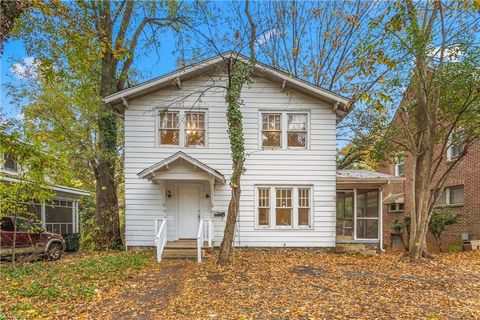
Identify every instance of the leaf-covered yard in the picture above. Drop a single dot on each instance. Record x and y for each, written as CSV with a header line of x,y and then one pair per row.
x,y
259,284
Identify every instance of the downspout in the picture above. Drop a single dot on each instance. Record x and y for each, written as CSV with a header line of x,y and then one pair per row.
x,y
380,200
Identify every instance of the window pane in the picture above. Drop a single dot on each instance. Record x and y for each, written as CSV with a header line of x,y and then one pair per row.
x,y
195,120
297,122
367,228
271,138
271,121
284,198
297,139
169,120
170,137
456,195
283,217
263,216
442,199
195,137
401,206
10,163
303,216
6,224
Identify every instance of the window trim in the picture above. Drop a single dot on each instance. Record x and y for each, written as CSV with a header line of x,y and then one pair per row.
x,y
284,129
451,145
397,208
181,125
398,164
448,198
272,215
159,129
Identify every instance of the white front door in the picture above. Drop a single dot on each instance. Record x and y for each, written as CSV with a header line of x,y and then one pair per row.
x,y
188,212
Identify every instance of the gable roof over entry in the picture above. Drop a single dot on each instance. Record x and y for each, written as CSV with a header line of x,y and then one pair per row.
x,y
338,102
149,172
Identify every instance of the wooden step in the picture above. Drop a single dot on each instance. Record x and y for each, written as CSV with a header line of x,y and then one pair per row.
x,y
182,253
182,244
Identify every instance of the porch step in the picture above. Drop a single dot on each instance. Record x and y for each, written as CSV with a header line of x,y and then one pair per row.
x,y
350,247
182,244
183,249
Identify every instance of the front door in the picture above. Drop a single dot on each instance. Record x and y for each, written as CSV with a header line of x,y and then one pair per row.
x,y
188,212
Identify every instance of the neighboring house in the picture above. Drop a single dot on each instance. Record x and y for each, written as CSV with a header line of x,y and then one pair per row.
x,y
61,215
178,163
462,193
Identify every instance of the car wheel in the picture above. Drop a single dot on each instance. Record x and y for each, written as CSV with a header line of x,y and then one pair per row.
x,y
54,251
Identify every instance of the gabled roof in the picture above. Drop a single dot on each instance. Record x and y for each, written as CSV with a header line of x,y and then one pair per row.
x,y
146,173
193,70
365,176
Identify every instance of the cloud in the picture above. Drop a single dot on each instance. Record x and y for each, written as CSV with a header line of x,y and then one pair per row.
x,y
265,37
25,69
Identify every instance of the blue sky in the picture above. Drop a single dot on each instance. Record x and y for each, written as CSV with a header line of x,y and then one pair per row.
x,y
151,64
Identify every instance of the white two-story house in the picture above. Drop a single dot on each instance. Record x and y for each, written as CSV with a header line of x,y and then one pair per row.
x,y
178,163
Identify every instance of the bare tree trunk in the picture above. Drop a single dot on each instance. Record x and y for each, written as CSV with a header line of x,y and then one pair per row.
x,y
238,76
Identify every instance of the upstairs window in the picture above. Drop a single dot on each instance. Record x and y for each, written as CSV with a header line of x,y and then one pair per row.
x,y
455,145
400,165
297,130
272,130
169,128
9,162
182,128
282,130
195,129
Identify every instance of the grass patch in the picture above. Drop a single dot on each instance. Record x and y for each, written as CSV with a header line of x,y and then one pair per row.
x,y
29,286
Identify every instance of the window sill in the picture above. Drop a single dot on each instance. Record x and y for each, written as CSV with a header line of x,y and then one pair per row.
x,y
455,205
286,228
176,146
396,211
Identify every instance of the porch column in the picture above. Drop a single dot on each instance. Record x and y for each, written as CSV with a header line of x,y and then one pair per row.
x,y
43,216
162,209
354,214
380,212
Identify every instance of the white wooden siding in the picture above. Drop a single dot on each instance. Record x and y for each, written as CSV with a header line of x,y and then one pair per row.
x,y
314,166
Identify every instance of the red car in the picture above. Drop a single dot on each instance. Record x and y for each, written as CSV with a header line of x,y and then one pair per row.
x,y
29,239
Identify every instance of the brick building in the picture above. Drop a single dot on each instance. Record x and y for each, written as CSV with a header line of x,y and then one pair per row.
x,y
462,192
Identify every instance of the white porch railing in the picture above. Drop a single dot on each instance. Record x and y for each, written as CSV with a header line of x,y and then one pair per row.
x,y
160,236
205,233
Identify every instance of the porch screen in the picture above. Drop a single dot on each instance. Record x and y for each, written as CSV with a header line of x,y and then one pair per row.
x,y
367,214
345,213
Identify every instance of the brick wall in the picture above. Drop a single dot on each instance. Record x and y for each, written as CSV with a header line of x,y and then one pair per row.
x,y
466,173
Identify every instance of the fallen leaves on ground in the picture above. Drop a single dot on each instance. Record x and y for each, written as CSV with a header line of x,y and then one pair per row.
x,y
306,284
258,284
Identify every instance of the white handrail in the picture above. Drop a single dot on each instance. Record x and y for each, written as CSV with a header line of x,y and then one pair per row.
x,y
161,236
205,233
199,241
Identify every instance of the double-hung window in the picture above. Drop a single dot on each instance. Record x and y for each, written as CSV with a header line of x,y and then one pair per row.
x,y
400,165
182,128
284,207
263,206
282,130
195,129
455,145
272,130
169,128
